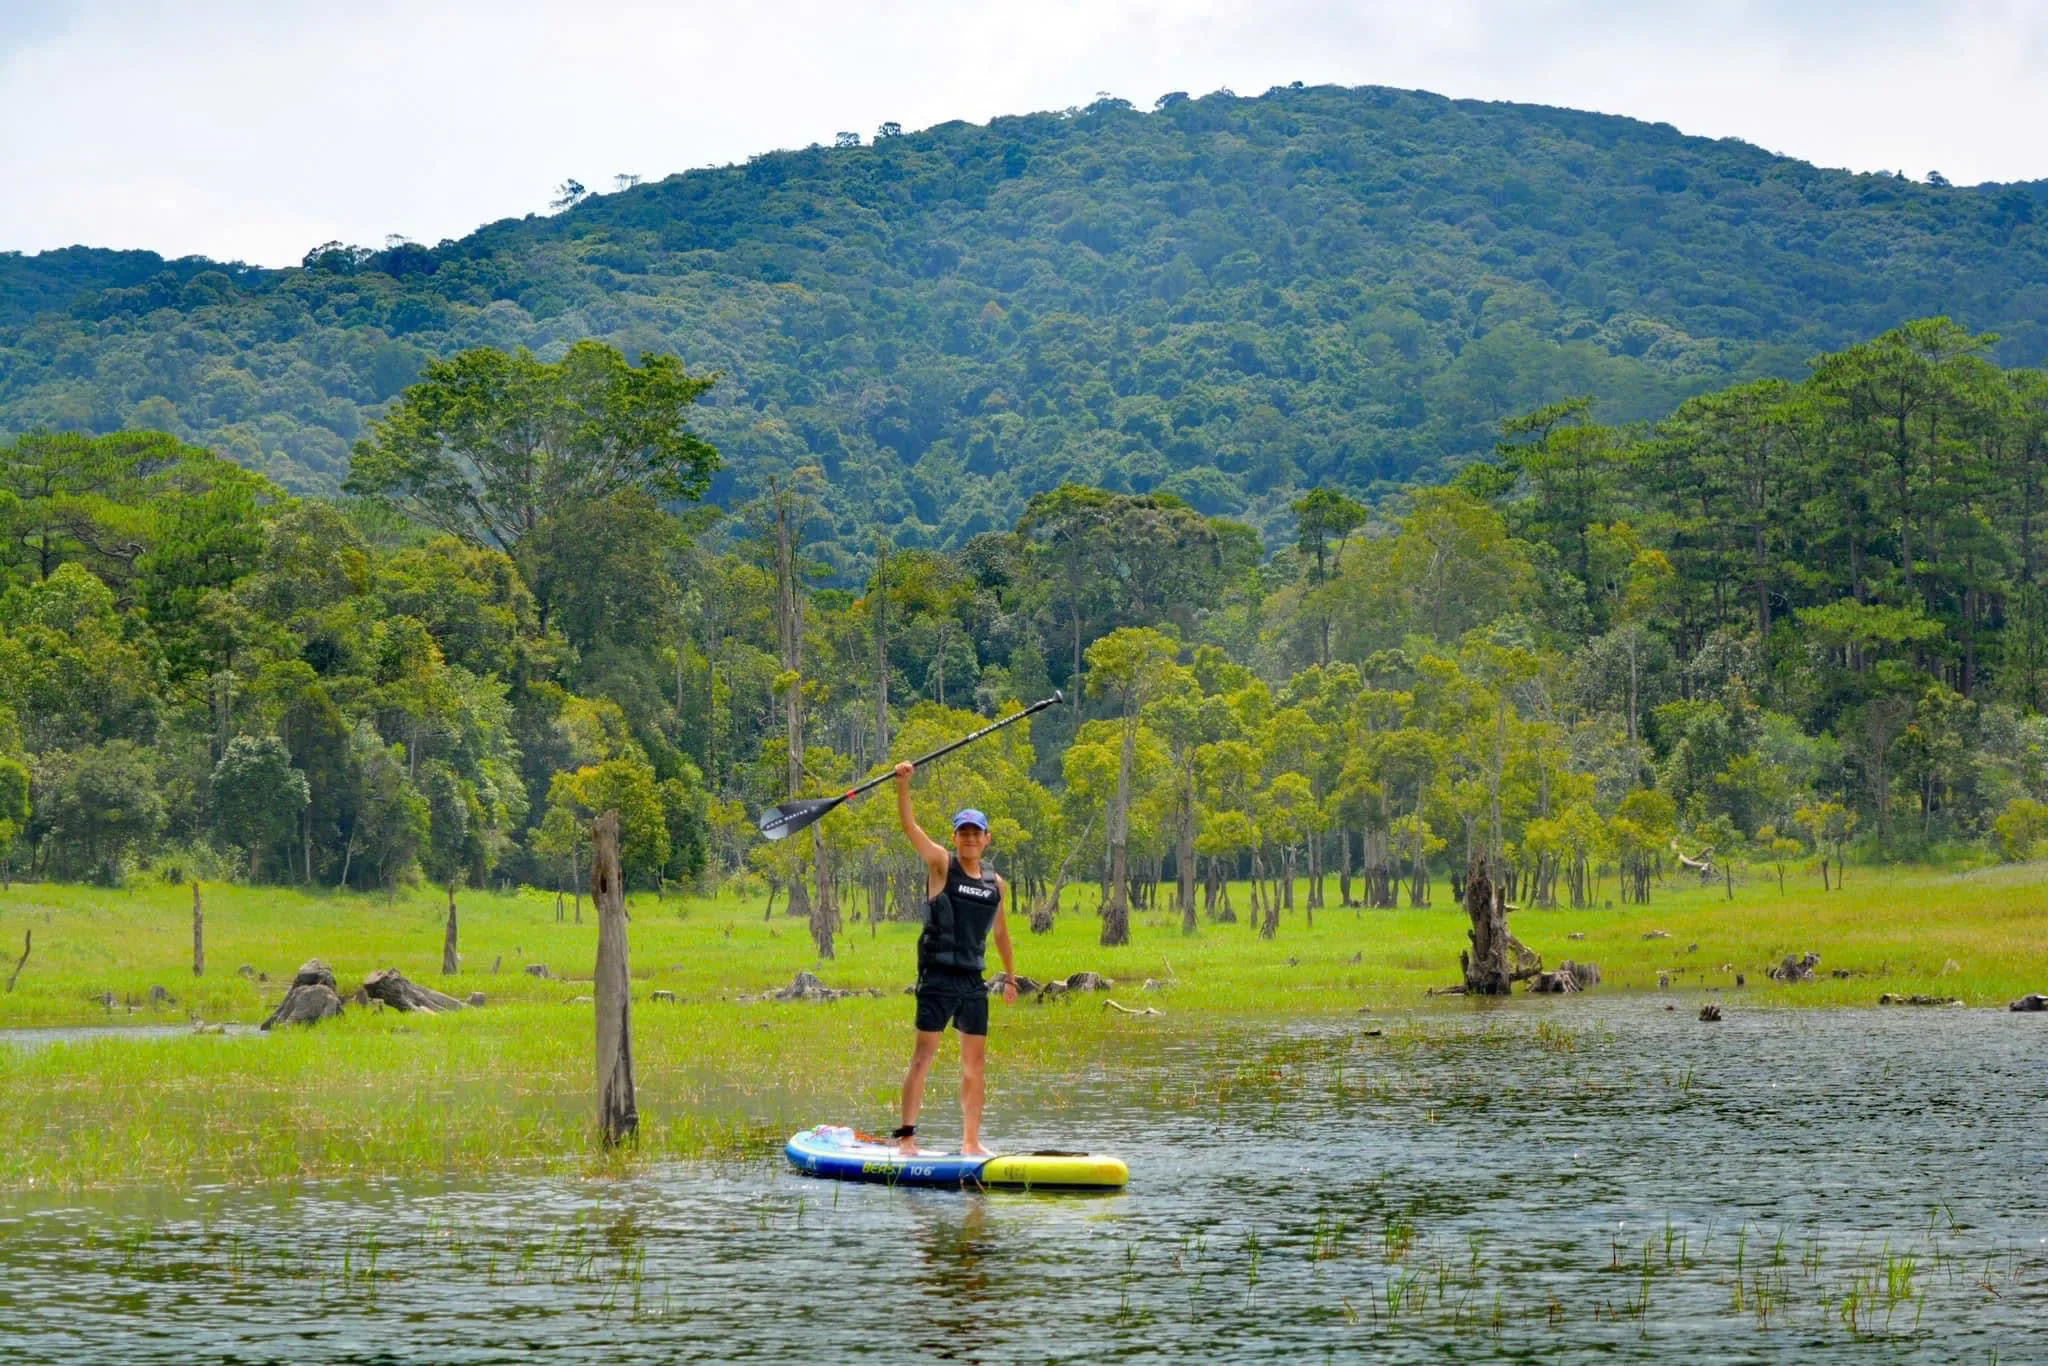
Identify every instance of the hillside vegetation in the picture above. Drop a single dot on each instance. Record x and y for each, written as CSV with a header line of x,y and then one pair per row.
x,y
1230,299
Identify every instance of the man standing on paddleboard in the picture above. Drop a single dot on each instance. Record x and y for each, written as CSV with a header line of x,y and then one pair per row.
x,y
967,901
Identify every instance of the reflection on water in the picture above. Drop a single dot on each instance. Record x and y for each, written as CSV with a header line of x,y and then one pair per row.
x,y
1557,1181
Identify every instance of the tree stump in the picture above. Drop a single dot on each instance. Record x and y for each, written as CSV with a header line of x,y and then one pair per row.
x,y
617,1118
310,999
198,932
392,988
451,961
1487,971
1800,969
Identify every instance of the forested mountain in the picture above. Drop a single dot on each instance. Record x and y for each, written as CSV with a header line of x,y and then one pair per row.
x,y
1230,299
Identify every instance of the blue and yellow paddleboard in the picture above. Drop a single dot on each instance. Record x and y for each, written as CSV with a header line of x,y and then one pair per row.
x,y
838,1153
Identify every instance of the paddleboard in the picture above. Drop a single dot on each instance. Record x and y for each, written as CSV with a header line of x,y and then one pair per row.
x,y
838,1153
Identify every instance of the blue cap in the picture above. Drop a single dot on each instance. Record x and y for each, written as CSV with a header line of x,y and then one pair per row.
x,y
969,816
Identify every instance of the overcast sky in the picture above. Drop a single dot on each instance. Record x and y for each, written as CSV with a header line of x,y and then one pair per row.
x,y
253,129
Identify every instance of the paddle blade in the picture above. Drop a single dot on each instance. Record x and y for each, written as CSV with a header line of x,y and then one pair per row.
x,y
790,817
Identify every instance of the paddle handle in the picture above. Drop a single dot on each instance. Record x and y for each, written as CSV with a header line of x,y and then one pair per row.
x,y
943,750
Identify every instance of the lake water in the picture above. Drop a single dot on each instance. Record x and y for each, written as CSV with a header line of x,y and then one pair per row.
x,y
44,1036
1558,1181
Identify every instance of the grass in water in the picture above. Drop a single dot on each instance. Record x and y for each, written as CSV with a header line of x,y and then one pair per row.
x,y
478,1091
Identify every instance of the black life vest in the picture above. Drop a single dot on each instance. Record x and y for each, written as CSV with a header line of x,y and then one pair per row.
x,y
957,921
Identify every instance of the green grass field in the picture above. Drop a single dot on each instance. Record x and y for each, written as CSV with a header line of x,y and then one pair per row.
x,y
378,1092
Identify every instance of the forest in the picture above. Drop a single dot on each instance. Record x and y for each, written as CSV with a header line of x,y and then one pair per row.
x,y
1800,623
1231,300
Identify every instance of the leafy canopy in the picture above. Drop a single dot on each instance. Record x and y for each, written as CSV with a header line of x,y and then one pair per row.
x,y
491,445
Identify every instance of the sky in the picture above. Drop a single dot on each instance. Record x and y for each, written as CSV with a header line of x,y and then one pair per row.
x,y
254,129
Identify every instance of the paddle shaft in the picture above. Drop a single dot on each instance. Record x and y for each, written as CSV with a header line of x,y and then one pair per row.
x,y
777,822
965,740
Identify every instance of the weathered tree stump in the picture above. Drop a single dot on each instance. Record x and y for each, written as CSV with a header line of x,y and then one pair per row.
x,y
1710,1013
310,999
2033,1001
1487,971
618,1118
198,932
392,988
539,970
451,961
1891,998
1800,969
805,986
1089,981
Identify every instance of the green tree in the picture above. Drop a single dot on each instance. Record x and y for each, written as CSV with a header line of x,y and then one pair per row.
x,y
1323,516
257,796
1131,667
103,809
2021,828
490,445
384,820
14,811
1829,825
1456,564
628,787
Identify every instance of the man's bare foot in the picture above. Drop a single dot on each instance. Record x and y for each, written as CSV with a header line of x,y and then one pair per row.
x,y
907,1146
974,1150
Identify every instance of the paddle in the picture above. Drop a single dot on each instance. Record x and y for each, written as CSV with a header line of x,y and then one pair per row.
x,y
790,817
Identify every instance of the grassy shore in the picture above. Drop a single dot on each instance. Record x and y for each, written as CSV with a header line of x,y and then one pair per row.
x,y
376,1092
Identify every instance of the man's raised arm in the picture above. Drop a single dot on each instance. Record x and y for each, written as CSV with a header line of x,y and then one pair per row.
x,y
933,854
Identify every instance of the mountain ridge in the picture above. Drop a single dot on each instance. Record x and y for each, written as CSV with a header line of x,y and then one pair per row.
x,y
1227,298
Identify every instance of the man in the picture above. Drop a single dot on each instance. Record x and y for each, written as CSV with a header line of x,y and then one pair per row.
x,y
966,902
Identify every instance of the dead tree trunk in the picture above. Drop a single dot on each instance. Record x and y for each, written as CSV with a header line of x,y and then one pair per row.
x,y
392,987
1487,970
1184,855
198,932
1344,867
1042,918
617,1118
26,936
451,961
1116,910
825,905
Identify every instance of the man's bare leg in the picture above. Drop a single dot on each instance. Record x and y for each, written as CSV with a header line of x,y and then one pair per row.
x,y
973,1054
921,1057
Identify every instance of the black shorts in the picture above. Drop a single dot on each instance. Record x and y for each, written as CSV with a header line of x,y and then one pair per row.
x,y
961,1002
